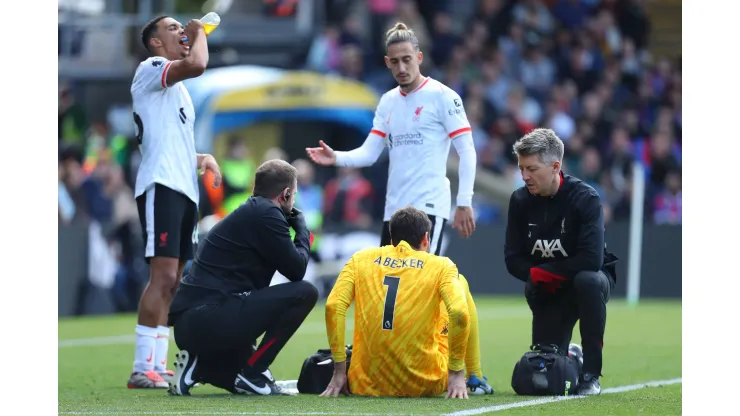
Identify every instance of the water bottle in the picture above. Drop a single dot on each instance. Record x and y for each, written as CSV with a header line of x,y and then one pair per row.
x,y
210,22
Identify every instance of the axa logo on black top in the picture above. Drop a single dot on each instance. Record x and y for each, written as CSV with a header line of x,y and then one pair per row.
x,y
547,248
406,139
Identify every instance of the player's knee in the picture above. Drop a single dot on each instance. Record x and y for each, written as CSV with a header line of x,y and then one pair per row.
x,y
306,292
165,275
587,282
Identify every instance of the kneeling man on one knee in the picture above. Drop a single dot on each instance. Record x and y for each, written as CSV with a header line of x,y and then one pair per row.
x,y
555,244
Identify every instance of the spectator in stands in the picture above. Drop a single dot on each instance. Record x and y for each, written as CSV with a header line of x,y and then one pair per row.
x,y
348,198
352,65
590,169
99,204
497,15
325,52
558,119
662,159
667,204
443,40
537,70
309,198
491,156
620,158
73,122
73,176
67,207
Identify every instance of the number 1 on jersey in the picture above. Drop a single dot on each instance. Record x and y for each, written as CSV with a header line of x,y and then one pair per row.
x,y
390,301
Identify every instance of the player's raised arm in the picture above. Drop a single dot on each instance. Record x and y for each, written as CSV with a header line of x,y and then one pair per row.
x,y
178,53
458,130
516,257
196,62
364,155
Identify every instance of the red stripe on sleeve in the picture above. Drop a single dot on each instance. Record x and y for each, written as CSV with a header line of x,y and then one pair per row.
x,y
460,131
378,132
164,74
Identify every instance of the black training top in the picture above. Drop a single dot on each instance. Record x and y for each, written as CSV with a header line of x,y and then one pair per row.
x,y
562,234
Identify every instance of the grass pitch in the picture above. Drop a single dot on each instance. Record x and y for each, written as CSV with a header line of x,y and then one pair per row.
x,y
642,344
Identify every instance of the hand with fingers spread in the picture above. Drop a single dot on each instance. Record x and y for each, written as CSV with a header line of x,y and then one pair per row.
x,y
322,155
464,221
338,384
456,388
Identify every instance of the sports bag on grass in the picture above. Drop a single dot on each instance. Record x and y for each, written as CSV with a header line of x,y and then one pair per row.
x,y
546,370
317,370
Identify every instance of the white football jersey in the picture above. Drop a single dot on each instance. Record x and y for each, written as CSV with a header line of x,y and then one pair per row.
x,y
164,118
418,129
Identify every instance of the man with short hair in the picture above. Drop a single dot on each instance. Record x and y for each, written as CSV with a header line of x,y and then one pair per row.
x,y
416,325
166,189
555,244
226,302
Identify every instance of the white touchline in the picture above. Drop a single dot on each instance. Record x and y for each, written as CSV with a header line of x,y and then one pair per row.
x,y
546,400
476,411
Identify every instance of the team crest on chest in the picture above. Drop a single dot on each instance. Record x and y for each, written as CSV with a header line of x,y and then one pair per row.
x,y
417,113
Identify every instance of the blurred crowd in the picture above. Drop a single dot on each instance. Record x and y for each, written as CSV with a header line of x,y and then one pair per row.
x,y
580,67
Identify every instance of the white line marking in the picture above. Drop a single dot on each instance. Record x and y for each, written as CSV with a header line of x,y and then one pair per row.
x,y
290,383
85,342
546,400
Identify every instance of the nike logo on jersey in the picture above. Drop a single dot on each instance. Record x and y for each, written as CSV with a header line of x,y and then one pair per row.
x,y
183,117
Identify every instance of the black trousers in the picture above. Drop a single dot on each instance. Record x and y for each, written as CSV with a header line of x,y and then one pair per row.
x,y
554,315
222,335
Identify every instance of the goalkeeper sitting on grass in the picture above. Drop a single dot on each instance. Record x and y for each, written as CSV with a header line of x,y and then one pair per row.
x,y
416,326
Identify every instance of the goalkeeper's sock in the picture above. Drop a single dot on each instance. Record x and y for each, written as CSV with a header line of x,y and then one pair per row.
x,y
472,354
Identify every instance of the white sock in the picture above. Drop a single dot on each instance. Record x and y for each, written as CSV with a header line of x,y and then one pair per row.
x,y
163,343
146,338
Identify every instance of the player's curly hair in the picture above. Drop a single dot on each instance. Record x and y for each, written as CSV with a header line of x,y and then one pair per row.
x,y
400,33
150,30
409,224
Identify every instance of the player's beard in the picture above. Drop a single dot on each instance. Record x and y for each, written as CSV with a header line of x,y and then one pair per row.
x,y
406,84
287,208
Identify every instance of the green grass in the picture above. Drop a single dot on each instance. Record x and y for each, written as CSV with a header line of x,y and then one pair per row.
x,y
641,344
